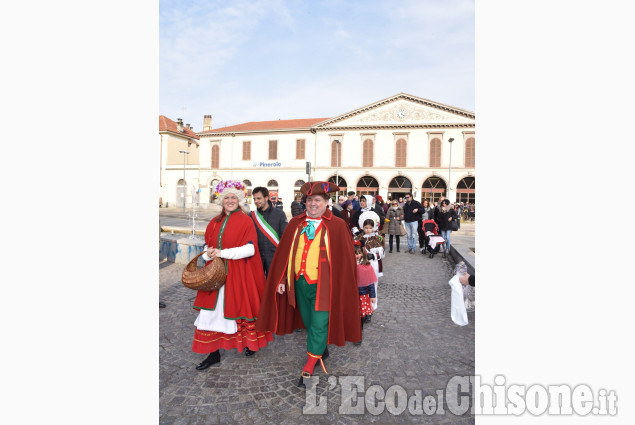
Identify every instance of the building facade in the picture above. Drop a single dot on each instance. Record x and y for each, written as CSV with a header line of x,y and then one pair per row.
x,y
391,147
179,164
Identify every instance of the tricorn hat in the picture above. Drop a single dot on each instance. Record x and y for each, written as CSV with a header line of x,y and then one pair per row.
x,y
318,188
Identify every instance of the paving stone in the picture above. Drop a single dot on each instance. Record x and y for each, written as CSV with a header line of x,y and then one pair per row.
x,y
411,341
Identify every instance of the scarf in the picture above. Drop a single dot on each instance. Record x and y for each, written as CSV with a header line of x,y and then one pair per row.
x,y
309,229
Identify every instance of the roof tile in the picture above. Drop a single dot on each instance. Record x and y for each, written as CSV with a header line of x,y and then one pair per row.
x,y
166,124
267,125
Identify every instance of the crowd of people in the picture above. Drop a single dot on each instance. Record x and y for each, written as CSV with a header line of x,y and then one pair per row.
x,y
280,273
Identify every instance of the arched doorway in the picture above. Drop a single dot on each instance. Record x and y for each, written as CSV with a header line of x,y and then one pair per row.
x,y
272,187
399,187
247,184
181,192
466,190
342,185
212,190
296,188
367,185
433,189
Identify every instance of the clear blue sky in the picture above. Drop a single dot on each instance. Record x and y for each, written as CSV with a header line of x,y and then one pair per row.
x,y
264,60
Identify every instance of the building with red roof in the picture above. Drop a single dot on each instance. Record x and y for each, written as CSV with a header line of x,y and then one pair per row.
x,y
396,145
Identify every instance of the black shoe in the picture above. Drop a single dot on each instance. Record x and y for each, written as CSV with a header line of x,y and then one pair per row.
x,y
213,358
325,354
248,352
368,318
397,249
161,305
390,252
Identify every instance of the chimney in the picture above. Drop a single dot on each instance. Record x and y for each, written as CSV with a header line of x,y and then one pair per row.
x,y
207,123
179,124
188,126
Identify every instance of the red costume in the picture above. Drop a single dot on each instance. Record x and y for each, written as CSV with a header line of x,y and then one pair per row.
x,y
337,283
243,287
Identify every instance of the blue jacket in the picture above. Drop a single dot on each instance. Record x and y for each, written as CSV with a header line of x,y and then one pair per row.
x,y
370,290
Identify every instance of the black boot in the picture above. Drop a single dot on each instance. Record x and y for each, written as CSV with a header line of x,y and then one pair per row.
x,y
248,352
360,341
213,358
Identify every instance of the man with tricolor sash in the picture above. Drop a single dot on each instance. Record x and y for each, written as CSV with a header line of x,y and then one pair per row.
x,y
270,224
312,282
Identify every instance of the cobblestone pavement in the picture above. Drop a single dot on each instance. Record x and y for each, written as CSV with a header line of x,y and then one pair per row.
x,y
411,342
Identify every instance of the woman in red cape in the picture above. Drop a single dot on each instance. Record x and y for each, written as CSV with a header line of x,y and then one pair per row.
x,y
227,316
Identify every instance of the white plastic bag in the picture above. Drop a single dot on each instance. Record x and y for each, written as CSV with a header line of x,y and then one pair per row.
x,y
457,304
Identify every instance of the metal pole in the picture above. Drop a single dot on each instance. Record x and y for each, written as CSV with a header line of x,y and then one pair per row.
x,y
184,185
450,140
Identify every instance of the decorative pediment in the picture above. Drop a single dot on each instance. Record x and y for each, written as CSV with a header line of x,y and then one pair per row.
x,y
402,110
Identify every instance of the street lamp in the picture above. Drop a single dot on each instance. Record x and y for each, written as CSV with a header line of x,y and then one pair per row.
x,y
450,140
337,166
184,185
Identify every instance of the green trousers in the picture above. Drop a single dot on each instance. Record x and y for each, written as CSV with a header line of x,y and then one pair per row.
x,y
315,322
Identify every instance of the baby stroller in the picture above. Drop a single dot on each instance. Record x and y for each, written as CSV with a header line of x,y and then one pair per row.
x,y
432,240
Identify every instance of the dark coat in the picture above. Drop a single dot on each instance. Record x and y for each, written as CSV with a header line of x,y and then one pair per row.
x,y
410,216
443,222
277,219
296,208
337,284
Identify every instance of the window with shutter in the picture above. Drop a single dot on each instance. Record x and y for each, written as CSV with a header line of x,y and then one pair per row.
x,y
470,159
299,149
215,156
336,154
400,153
367,154
246,151
435,153
273,149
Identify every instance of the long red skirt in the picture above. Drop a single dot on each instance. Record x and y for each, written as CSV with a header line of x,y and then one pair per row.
x,y
246,336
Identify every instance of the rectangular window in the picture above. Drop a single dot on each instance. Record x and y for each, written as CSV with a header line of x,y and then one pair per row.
x,y
469,152
336,154
273,149
367,153
299,149
215,156
435,153
246,151
400,153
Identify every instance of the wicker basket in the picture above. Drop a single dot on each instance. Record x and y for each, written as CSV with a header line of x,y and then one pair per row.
x,y
209,278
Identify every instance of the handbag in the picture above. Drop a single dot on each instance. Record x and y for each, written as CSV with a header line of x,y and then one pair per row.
x,y
209,278
402,229
455,223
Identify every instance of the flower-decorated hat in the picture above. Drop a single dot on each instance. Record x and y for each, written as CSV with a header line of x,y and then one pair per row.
x,y
230,186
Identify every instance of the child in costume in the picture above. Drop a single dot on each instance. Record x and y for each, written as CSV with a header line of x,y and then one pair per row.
x,y
365,282
374,247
